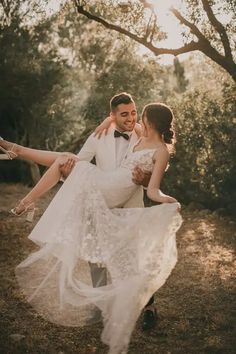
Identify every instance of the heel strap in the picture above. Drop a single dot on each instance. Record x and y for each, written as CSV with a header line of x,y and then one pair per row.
x,y
11,153
25,208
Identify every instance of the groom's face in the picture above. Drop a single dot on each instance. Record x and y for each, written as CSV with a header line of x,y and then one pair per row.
x,y
125,116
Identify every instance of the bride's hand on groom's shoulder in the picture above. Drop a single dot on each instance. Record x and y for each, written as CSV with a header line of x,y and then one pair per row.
x,y
103,127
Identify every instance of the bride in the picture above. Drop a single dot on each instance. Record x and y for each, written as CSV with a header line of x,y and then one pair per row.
x,y
83,223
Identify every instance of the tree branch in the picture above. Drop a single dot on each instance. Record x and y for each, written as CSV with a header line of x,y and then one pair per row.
x,y
108,25
219,28
147,5
153,27
142,40
193,28
189,47
149,29
202,44
205,46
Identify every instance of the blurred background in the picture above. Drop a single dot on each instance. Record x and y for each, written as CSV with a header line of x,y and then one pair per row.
x,y
59,69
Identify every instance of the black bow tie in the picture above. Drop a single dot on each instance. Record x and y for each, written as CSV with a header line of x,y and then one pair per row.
x,y
117,134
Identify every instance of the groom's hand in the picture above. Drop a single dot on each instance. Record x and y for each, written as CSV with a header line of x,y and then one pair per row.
x,y
67,167
141,177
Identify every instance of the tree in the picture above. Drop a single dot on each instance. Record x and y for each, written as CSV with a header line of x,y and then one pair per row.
x,y
21,11
179,72
122,70
29,77
203,168
57,79
205,31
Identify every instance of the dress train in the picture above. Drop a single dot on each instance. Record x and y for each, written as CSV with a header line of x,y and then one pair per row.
x,y
136,245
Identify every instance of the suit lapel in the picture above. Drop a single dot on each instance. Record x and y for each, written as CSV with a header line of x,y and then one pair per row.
x,y
108,151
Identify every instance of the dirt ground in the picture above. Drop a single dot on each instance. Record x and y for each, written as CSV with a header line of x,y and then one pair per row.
x,y
196,305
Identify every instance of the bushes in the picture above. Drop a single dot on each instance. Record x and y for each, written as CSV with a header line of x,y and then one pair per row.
x,y
204,167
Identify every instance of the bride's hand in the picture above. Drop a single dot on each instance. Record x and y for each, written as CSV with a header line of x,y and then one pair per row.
x,y
157,196
103,127
168,199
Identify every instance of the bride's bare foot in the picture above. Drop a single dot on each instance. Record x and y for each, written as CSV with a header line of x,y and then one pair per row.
x,y
10,150
24,207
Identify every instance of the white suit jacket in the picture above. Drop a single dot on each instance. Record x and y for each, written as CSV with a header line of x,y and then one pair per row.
x,y
103,150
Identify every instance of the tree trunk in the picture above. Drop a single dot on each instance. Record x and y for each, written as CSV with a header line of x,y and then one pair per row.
x,y
34,171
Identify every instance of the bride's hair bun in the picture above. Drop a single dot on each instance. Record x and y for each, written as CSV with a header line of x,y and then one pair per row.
x,y
168,136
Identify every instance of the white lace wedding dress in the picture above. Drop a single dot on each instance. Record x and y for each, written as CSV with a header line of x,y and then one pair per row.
x,y
83,224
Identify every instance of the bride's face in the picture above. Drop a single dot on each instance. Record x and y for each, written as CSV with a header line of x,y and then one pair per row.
x,y
125,117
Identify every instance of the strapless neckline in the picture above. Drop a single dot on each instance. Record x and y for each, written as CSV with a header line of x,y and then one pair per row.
x,y
137,142
143,150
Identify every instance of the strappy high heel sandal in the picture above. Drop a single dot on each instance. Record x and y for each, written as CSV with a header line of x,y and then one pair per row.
x,y
25,208
8,154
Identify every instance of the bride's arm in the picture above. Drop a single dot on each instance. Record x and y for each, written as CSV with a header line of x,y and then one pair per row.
x,y
107,123
138,129
153,190
104,126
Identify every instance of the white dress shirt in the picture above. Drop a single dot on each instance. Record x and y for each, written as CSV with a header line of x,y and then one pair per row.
x,y
121,145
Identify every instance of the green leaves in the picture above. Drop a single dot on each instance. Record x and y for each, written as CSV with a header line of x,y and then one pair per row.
x,y
206,146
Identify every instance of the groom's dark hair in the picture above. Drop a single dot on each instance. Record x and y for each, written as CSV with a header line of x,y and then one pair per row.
x,y
122,97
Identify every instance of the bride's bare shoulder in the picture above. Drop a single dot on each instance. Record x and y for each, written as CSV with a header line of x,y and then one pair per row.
x,y
161,153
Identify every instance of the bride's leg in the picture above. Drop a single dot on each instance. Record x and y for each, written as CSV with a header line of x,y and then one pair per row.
x,y
41,157
48,180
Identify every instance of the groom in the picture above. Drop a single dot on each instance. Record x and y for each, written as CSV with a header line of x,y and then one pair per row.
x,y
109,151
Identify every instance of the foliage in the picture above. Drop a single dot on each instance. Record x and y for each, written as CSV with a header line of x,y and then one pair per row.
x,y
131,74
179,71
122,70
202,29
53,76
204,168
28,78
37,99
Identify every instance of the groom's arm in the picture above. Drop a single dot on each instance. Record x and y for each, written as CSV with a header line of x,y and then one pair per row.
x,y
87,153
88,150
141,177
